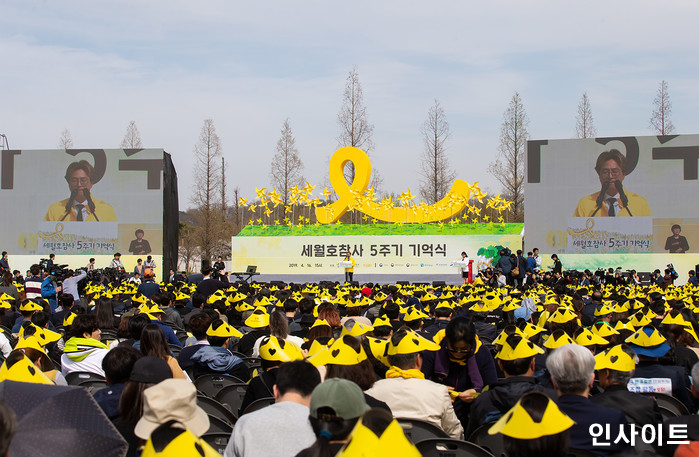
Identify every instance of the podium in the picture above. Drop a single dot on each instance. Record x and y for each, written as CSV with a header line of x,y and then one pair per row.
x,y
461,264
344,264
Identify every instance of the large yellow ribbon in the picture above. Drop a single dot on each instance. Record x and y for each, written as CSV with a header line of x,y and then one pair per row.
x,y
350,195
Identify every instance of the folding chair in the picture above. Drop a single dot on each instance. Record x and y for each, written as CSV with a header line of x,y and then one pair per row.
x,y
232,397
259,404
211,384
447,447
214,408
418,430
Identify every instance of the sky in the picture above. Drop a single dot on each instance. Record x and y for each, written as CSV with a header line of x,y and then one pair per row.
x,y
92,67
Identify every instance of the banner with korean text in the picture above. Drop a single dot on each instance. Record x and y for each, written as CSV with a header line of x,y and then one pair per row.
x,y
425,254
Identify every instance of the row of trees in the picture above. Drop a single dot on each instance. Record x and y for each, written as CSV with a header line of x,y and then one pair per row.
x,y
211,222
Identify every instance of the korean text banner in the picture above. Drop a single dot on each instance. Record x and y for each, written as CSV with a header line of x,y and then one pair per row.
x,y
372,254
612,195
82,201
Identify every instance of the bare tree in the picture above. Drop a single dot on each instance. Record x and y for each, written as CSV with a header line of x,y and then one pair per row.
x,y
508,168
662,109
224,208
286,164
66,140
207,177
584,125
132,137
355,129
436,174
189,247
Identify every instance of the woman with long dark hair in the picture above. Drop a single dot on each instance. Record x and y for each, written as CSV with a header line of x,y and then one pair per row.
x,y
153,343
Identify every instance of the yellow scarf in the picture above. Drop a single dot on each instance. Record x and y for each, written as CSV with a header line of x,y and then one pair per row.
x,y
395,372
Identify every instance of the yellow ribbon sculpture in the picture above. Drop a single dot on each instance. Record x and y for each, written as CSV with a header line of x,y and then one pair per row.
x,y
350,196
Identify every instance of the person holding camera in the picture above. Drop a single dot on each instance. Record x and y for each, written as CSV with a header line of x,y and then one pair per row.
x,y
70,284
49,290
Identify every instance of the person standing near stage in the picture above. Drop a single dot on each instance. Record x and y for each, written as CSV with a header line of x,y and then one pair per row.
x,y
464,269
219,266
4,265
557,266
349,271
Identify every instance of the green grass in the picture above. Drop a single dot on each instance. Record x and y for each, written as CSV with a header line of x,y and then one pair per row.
x,y
383,229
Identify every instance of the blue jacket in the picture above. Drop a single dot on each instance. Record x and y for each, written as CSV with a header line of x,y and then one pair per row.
x,y
585,413
48,291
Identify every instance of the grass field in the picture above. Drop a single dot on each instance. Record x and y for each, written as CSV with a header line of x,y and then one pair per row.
x,y
382,229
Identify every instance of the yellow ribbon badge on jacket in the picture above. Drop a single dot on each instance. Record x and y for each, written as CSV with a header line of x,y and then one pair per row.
x,y
518,423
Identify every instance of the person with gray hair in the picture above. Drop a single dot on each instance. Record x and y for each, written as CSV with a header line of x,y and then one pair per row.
x,y
613,379
572,369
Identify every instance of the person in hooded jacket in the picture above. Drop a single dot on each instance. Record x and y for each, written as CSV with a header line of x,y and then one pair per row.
x,y
215,358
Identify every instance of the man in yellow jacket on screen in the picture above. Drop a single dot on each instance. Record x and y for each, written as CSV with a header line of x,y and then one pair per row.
x,y
612,200
80,206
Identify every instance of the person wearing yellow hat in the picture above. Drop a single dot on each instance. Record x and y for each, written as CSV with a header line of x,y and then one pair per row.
x,y
279,328
378,434
572,369
442,315
83,350
650,345
258,321
678,326
32,348
615,368
216,358
273,352
405,389
516,360
27,309
462,363
534,427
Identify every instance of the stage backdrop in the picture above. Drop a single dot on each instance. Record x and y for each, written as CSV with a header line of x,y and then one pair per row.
x,y
404,255
659,182
132,190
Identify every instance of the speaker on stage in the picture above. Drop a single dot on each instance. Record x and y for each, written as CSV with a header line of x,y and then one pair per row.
x,y
205,264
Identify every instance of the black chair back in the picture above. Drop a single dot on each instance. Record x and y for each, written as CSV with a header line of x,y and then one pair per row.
x,y
418,430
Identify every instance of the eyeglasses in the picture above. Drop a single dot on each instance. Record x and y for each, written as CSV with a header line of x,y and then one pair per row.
x,y
613,172
83,181
465,350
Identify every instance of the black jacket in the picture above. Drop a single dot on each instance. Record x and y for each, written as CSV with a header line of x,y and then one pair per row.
x,y
637,408
500,398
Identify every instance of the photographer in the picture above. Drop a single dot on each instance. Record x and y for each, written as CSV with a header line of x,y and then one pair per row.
x,y
49,290
70,284
670,276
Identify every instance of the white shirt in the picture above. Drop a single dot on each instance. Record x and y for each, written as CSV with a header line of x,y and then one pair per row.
x,y
616,205
84,209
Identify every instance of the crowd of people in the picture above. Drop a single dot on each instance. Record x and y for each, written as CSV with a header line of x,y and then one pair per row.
x,y
545,365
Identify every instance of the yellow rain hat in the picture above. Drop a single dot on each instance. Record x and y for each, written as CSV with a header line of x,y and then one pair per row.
x,y
185,444
414,314
355,328
363,442
317,346
531,330
603,310
603,329
412,343
319,322
522,350
68,320
586,338
615,359
382,321
30,306
258,319
562,316
379,348
23,371
517,423
241,307
500,339
275,350
555,343
339,353
220,329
